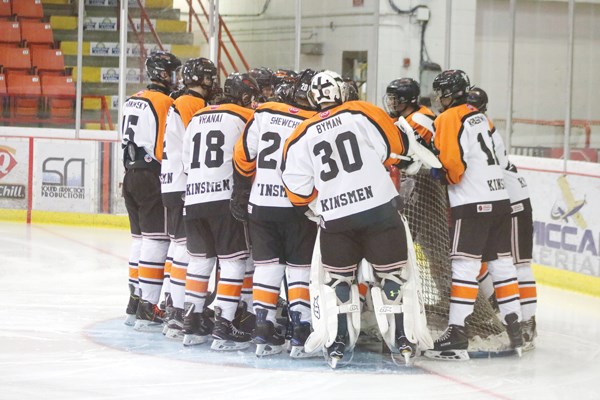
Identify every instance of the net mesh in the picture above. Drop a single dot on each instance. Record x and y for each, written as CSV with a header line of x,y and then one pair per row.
x,y
427,212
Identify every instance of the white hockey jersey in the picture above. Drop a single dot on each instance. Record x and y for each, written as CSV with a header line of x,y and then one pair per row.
x,y
173,179
207,158
258,153
338,157
468,146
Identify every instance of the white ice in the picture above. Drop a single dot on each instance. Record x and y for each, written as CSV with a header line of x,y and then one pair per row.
x,y
64,291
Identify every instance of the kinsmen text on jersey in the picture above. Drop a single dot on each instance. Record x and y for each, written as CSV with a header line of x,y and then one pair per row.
x,y
473,155
258,153
207,158
146,129
172,177
339,157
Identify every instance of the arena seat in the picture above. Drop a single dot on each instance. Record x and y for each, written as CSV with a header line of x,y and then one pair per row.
x,y
36,33
28,9
48,61
3,96
15,60
24,93
59,92
5,9
11,33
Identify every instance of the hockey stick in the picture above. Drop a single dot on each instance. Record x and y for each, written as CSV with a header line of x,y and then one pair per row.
x,y
415,148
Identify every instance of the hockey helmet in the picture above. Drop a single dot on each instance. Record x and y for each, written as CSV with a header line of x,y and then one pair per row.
x,y
199,72
241,88
478,98
161,67
327,87
301,88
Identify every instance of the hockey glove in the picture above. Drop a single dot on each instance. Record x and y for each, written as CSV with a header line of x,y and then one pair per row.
x,y
240,197
439,174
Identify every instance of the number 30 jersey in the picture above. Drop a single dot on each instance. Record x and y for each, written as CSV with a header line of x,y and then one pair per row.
x,y
472,152
258,153
338,157
207,158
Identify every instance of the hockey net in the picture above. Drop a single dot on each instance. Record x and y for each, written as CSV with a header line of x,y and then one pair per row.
x,y
427,212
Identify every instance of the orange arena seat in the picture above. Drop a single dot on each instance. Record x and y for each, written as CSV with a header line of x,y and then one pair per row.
x,y
60,95
11,33
25,93
2,93
15,59
28,9
5,9
37,33
48,60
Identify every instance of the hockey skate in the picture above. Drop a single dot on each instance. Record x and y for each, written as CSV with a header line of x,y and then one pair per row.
x,y
404,347
196,326
515,334
337,354
167,306
149,317
269,340
174,326
132,306
244,320
226,336
529,333
451,345
299,333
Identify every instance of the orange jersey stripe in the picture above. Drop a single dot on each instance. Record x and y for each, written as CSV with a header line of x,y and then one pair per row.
x,y
248,282
178,273
196,286
226,289
503,292
187,105
264,296
161,104
299,293
527,292
133,273
151,273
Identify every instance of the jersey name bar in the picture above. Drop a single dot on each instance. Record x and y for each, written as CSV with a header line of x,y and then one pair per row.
x,y
267,189
207,187
286,122
328,124
344,199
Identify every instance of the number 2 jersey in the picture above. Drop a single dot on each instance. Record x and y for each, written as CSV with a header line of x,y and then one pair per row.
x,y
472,152
258,154
172,177
144,119
207,158
338,157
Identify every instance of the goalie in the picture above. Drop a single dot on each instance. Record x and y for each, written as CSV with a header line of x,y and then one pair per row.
x,y
335,162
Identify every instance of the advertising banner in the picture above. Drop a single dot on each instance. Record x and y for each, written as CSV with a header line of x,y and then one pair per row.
x,y
14,164
566,219
65,176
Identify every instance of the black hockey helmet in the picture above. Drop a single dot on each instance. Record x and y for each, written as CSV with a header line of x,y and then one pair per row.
x,y
161,67
195,70
478,98
263,76
284,93
241,88
284,76
452,83
301,88
399,94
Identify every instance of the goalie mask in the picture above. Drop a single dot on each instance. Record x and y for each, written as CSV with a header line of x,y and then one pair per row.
x,y
241,89
478,98
327,87
400,94
162,67
200,72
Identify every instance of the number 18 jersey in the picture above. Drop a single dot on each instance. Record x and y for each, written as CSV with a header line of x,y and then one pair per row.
x,y
207,158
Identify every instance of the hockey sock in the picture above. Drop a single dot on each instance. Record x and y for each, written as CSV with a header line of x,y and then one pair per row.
x,y
486,285
168,265
298,292
178,273
464,289
506,287
196,281
134,258
229,288
267,282
248,284
153,254
527,291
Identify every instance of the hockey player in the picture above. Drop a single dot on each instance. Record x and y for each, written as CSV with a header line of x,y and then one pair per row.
x,y
282,238
522,234
335,160
198,78
210,228
266,82
402,99
480,206
142,134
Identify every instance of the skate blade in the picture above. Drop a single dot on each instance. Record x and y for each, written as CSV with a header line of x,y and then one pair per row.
x,y
147,326
528,346
165,329
298,352
193,340
519,351
263,350
447,355
130,320
403,359
174,334
339,362
228,345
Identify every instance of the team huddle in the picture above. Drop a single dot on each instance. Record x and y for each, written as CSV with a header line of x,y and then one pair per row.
x,y
277,186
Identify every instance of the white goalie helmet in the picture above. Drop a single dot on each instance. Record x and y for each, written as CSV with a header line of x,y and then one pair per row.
x,y
327,87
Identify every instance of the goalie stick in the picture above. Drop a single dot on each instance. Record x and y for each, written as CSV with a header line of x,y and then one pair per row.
x,y
416,149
